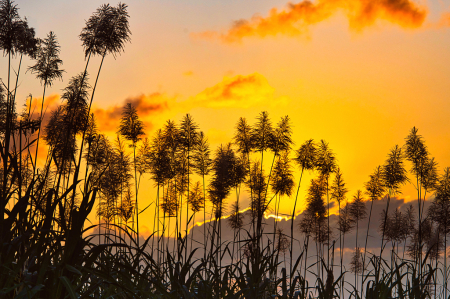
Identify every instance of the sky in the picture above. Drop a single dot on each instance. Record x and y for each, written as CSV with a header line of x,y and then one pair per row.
x,y
357,73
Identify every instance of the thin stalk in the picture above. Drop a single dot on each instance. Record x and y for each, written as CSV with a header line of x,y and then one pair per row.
x,y
382,238
365,249
292,228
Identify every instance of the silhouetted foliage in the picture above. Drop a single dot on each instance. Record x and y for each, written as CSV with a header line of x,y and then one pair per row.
x,y
47,67
282,182
106,31
356,265
236,219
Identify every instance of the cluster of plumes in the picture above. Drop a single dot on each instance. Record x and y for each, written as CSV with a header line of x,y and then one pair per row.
x,y
68,121
227,172
311,156
436,225
170,156
259,138
176,151
106,31
386,179
424,167
111,173
16,37
431,240
351,213
398,226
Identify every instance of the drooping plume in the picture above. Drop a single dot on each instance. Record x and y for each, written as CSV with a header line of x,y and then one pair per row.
x,y
296,19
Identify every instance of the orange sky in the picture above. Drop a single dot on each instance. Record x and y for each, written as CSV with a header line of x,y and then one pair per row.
x,y
359,74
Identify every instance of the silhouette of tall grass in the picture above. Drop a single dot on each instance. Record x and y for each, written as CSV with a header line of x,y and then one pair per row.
x,y
49,248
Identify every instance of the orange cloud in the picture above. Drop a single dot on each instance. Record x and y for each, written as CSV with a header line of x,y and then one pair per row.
x,y
188,73
33,107
51,102
296,18
445,20
238,91
241,91
146,105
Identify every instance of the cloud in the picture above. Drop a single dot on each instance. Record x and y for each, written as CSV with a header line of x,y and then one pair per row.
x,y
296,18
241,91
237,92
188,73
33,107
51,102
444,20
146,105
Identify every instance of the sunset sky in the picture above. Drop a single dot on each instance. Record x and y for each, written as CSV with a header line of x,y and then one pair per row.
x,y
356,73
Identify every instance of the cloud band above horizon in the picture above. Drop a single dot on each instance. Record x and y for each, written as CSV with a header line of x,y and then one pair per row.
x,y
296,18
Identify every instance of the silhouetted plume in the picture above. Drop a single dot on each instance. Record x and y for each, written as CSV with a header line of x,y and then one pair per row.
x,y
430,236
306,155
440,208
346,221
181,172
189,133
325,159
262,134
416,151
3,111
106,31
429,177
282,241
91,130
48,62
396,230
222,177
356,265
130,126
282,182
154,158
201,161
114,179
257,183
196,199
375,187
76,95
15,35
282,136
172,142
357,207
394,172
62,144
243,137
338,189
315,214
170,204
236,219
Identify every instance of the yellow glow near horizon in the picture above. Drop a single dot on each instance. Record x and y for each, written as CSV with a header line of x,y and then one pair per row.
x,y
356,73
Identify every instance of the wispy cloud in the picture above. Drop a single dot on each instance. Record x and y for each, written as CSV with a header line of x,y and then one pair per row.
x,y
240,91
237,92
297,18
146,105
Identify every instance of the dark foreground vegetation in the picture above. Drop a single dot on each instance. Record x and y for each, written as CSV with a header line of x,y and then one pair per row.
x,y
48,248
